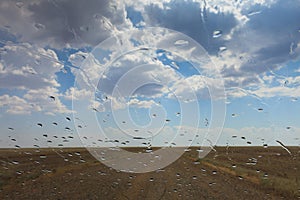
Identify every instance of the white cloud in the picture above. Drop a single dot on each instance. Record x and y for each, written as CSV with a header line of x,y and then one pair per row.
x,y
267,92
42,99
76,94
30,71
33,101
61,24
198,86
141,103
16,105
139,5
136,75
28,67
253,47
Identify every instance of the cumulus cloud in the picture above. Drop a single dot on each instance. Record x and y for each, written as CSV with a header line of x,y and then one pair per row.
x,y
141,103
28,67
278,91
33,101
192,19
197,87
29,74
247,41
41,98
270,38
16,105
64,23
253,37
267,40
137,74
76,94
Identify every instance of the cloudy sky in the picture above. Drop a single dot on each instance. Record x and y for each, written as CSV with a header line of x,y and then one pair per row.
x,y
134,72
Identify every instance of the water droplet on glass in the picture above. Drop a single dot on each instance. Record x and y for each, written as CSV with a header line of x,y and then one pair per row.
x,y
181,43
251,13
52,97
284,147
19,4
223,48
211,184
217,34
39,26
294,99
15,162
138,138
77,153
84,28
63,70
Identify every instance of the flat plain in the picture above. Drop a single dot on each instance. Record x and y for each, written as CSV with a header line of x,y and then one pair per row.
x,y
226,173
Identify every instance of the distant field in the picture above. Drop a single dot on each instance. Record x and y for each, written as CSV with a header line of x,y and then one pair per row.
x,y
227,173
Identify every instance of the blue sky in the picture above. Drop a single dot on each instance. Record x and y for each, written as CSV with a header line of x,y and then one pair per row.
x,y
205,67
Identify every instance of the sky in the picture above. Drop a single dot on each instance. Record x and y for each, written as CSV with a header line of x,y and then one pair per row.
x,y
140,73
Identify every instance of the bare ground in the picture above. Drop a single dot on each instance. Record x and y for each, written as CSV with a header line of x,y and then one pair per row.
x,y
228,173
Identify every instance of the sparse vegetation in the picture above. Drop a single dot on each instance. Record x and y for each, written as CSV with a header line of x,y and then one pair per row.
x,y
219,175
